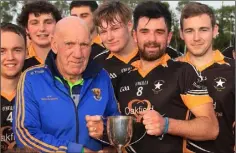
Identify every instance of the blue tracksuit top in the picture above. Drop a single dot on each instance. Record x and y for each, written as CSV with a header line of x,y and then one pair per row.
x,y
45,116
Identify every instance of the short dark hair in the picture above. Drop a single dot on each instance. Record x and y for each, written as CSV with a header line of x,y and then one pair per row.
x,y
9,27
37,7
151,9
110,11
192,9
92,4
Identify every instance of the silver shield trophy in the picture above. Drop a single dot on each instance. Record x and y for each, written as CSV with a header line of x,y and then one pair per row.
x,y
120,131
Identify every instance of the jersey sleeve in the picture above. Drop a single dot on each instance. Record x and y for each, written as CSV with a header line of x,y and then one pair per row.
x,y
193,89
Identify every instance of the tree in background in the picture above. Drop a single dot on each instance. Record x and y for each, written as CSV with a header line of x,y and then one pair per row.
x,y
62,6
226,22
8,10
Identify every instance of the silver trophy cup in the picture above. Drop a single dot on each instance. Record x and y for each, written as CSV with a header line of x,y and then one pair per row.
x,y
120,131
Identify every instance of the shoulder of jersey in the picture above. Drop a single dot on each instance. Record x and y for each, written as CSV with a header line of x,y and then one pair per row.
x,y
36,70
104,53
230,61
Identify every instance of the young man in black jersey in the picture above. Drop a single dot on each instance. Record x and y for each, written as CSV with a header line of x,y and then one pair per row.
x,y
159,92
114,22
39,19
198,29
13,53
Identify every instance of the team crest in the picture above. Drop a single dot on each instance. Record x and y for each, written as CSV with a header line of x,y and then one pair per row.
x,y
97,94
158,86
219,83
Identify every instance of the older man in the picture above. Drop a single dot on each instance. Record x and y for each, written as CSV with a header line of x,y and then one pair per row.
x,y
53,99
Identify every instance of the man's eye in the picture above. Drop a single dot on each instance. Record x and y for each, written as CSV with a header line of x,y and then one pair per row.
x,y
18,50
144,31
69,44
49,22
34,23
204,30
102,32
188,31
2,51
85,45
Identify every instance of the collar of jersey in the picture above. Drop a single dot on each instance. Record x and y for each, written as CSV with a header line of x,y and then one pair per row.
x,y
163,61
10,96
97,40
218,57
32,53
127,59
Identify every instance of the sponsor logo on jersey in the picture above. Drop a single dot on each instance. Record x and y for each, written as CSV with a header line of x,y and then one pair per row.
x,y
123,70
7,108
36,72
49,98
158,86
112,75
141,83
220,83
97,94
7,138
124,88
136,106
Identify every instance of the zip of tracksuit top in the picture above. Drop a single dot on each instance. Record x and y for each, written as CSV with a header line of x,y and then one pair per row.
x,y
90,78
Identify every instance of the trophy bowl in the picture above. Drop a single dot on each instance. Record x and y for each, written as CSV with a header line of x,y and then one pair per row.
x,y
120,131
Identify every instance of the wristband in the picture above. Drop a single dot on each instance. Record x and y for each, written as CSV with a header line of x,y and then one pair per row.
x,y
166,127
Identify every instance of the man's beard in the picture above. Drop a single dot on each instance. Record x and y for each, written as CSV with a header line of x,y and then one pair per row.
x,y
151,57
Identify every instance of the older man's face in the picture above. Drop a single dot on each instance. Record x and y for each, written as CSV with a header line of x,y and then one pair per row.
x,y
73,50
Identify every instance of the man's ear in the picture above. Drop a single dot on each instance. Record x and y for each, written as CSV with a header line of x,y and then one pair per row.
x,y
135,35
169,37
54,45
215,31
181,34
27,33
130,26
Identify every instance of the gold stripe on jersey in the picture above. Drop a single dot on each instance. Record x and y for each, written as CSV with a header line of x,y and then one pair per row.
x,y
192,101
32,53
126,59
10,96
218,57
162,61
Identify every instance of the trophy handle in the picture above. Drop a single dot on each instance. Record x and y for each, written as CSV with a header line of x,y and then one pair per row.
x,y
103,141
104,121
138,139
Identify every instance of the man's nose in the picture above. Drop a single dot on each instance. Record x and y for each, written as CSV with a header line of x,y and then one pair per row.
x,y
10,55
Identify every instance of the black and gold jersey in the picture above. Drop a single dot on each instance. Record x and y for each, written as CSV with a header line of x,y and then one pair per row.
x,y
220,81
7,136
96,47
171,88
32,61
115,64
